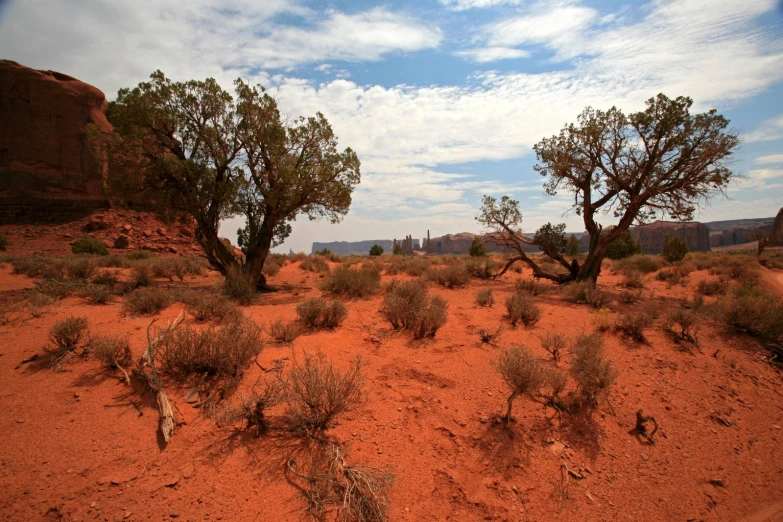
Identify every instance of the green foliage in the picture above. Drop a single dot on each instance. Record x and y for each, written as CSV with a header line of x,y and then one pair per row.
x,y
376,250
324,252
674,248
751,310
572,248
551,239
89,245
477,248
623,246
398,250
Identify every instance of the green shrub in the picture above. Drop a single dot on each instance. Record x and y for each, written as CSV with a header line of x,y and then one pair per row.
x,y
477,248
622,247
282,332
408,305
572,248
522,307
674,248
485,298
376,250
317,313
593,373
89,245
352,282
147,301
397,250
452,276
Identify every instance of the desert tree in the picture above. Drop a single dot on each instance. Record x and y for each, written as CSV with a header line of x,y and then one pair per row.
x,y
662,160
193,148
522,373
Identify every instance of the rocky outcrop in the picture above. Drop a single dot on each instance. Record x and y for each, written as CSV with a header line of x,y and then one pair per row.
x,y
777,227
354,247
696,235
47,167
459,244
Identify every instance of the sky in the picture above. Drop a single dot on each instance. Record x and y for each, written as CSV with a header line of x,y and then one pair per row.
x,y
442,100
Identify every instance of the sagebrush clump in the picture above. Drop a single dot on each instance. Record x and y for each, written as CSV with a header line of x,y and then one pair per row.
x,y
283,332
66,336
351,282
593,373
317,313
521,306
451,276
485,298
408,305
522,372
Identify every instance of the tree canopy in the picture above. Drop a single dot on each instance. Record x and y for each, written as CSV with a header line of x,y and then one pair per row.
x,y
659,161
192,147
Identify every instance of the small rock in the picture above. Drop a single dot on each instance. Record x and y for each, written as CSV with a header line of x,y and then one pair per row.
x,y
20,421
188,470
127,228
173,250
484,419
127,515
122,241
147,233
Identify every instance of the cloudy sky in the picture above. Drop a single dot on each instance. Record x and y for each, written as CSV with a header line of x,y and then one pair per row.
x,y
442,99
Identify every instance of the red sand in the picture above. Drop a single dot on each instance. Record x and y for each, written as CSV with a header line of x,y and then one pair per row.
x,y
80,445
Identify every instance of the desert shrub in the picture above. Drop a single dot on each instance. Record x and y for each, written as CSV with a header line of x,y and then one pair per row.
x,y
522,373
674,249
272,267
604,320
681,325
415,266
632,279
489,335
105,278
96,294
631,296
79,268
111,351
211,307
706,287
593,373
740,269
65,336
238,286
352,282
407,305
89,245
141,275
484,297
670,275
251,408
38,266
317,394
481,267
554,382
633,324
645,264
317,313
222,352
775,263
57,289
314,264
622,247
477,248
583,292
554,343
299,256
521,306
4,242
451,276
146,301
748,309
282,332
376,250
529,286
138,255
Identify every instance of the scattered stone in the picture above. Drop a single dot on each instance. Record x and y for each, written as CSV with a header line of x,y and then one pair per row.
x,y
122,241
127,228
188,470
147,233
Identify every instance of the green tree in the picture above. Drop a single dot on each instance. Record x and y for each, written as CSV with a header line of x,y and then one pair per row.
x,y
376,250
398,250
192,148
572,249
659,160
674,248
477,248
623,246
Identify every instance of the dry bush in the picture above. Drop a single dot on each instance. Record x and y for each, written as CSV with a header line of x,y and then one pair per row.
x,y
484,297
681,325
489,335
583,292
35,303
450,276
38,266
314,263
79,268
631,296
415,266
521,306
632,279
751,310
272,266
222,352
146,301
554,382
645,264
407,305
522,372
605,320
66,336
252,408
529,286
211,307
711,287
633,324
317,313
96,294
352,282
162,267
111,351
593,373
57,289
106,278
775,263
141,275
554,343
481,267
238,286
317,394
671,276
282,332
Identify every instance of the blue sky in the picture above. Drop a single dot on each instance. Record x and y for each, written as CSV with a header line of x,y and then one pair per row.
x,y
442,99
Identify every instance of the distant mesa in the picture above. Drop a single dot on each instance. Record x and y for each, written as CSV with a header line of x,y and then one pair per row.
x,y
358,248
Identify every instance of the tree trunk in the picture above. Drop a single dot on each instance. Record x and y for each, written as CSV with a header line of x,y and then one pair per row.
x,y
254,264
217,254
511,398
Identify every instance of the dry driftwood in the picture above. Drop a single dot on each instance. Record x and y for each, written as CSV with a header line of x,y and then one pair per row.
x,y
151,378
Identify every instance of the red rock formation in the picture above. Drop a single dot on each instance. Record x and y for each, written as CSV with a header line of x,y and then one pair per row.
x,y
46,163
777,227
696,235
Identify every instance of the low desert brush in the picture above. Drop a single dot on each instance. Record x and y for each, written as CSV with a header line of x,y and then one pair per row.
x,y
521,306
352,282
317,313
147,301
408,305
112,352
706,287
451,276
489,335
751,310
584,292
283,332
211,307
522,372
79,268
593,373
484,298
238,286
66,336
633,324
645,264
554,343
251,409
96,294
314,264
632,279
681,325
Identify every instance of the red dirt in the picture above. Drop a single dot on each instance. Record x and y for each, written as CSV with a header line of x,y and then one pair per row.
x,y
82,446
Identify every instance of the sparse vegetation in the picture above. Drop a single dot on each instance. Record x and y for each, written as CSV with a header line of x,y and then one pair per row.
x,y
633,324
554,343
314,264
521,306
65,336
633,279
89,245
408,305
252,408
522,373
4,242
489,335
645,264
283,332
681,325
317,313
352,282
707,287
112,352
239,287
481,267
583,292
485,298
96,294
147,301
593,373
751,310
211,307
450,276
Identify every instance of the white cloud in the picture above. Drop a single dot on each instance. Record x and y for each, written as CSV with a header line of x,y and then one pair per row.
x,y
774,158
557,28
461,5
492,54
765,174
770,130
